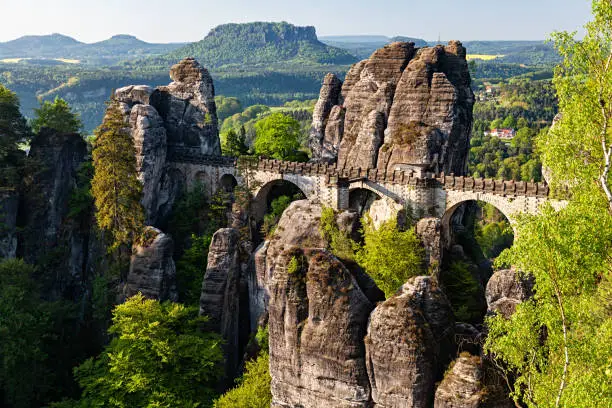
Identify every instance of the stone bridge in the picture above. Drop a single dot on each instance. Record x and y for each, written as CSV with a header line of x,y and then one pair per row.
x,y
431,196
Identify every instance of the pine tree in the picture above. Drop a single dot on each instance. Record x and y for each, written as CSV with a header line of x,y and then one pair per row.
x,y
235,143
56,115
115,186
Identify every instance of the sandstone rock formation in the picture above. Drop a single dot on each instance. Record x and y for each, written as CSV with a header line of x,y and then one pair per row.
x,y
328,99
429,230
152,270
187,107
9,207
317,320
169,121
47,231
220,299
409,343
402,108
462,386
505,290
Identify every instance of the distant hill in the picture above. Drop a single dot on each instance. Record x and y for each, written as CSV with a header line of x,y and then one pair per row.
x,y
260,43
57,46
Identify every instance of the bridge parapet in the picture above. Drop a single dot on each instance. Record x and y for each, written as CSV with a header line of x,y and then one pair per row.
x,y
492,186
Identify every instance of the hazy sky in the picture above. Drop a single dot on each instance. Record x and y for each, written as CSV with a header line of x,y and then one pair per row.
x,y
190,20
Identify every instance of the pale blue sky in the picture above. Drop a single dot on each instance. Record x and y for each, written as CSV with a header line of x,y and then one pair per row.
x,y
190,20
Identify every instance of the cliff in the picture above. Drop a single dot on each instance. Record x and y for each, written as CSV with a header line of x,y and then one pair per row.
x,y
403,108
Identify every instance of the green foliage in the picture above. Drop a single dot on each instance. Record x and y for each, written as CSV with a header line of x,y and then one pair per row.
x,y
278,137
227,106
36,348
56,115
81,203
277,208
253,388
494,237
568,252
13,129
190,269
390,256
158,358
261,43
583,136
463,291
340,244
115,186
234,143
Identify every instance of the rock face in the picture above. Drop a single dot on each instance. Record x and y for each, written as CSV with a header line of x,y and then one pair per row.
x,y
175,120
429,230
187,107
409,343
402,108
151,145
317,320
462,386
9,207
48,232
505,290
329,98
152,270
220,299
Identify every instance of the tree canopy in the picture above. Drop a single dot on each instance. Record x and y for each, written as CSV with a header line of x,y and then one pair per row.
x,y
158,357
115,185
56,115
278,137
13,129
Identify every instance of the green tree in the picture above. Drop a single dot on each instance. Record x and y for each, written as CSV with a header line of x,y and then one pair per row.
x,y
509,122
13,130
227,106
115,186
278,137
158,357
253,388
390,256
235,143
56,115
556,346
584,86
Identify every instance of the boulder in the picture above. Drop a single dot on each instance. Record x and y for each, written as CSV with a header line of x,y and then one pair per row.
x,y
506,289
386,209
220,299
150,143
317,320
152,270
408,345
462,385
187,107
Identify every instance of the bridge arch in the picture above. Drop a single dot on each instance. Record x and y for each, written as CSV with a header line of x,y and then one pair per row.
x,y
271,190
361,198
505,205
227,183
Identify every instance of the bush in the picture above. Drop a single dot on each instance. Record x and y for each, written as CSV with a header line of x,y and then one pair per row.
x,y
253,389
390,256
158,358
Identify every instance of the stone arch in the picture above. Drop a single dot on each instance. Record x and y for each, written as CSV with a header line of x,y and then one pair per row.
x,y
262,196
361,198
227,183
454,201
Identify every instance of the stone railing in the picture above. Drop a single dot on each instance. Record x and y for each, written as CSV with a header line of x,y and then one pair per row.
x,y
499,187
334,175
179,154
